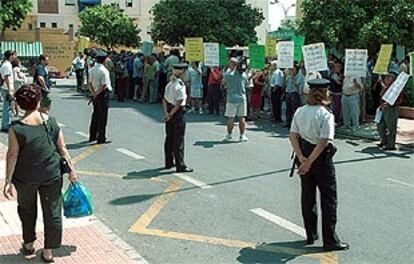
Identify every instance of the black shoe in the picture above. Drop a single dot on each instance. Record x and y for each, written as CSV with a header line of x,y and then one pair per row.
x,y
186,169
168,167
380,145
311,241
27,252
51,260
105,142
389,148
5,130
336,247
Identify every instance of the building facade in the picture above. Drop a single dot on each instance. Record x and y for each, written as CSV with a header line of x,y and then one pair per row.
x,y
64,14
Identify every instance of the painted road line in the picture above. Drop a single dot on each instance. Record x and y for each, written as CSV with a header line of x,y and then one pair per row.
x,y
130,154
193,181
89,151
280,221
97,173
400,182
82,134
61,124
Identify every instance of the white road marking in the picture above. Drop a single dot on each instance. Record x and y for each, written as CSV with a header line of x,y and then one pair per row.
x,y
130,154
193,181
61,125
82,134
280,221
400,182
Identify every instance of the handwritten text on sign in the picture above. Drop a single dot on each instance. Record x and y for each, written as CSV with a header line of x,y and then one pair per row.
x,y
285,54
315,58
395,89
211,54
356,62
194,49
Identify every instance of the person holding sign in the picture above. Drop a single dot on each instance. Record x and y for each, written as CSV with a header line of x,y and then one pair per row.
x,y
387,126
294,87
350,101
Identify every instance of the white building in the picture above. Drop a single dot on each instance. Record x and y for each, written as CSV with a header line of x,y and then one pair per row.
x,y
64,13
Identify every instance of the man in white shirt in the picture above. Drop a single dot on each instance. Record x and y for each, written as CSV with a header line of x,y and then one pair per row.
x,y
79,65
277,92
100,89
351,89
7,88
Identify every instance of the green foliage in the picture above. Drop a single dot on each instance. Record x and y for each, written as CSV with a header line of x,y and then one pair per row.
x,y
13,12
228,22
358,24
409,93
109,26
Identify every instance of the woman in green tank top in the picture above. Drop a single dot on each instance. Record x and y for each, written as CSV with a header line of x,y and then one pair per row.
x,y
33,166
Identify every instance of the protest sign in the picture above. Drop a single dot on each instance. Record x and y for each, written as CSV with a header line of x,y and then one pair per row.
x,y
223,55
211,54
194,49
271,46
356,62
257,56
381,67
285,54
315,57
298,42
83,44
147,48
395,89
283,33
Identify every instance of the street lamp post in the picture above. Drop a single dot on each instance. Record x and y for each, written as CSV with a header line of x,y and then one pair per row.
x,y
285,9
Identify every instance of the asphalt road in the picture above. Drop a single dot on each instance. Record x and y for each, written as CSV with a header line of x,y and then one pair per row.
x,y
239,206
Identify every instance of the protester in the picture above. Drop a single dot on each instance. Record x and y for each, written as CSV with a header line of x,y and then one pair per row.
x,y
235,82
258,79
162,77
311,135
172,59
156,81
110,65
100,89
41,78
33,167
19,79
336,79
79,66
352,88
214,90
276,92
135,91
195,72
173,105
7,87
403,65
294,88
387,127
149,91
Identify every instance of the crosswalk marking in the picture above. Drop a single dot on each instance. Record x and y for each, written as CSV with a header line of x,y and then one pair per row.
x,y
130,154
193,181
400,182
280,221
82,134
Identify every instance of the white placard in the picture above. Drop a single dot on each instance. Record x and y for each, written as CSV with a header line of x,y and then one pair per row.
x,y
285,51
356,62
211,54
395,89
315,57
378,115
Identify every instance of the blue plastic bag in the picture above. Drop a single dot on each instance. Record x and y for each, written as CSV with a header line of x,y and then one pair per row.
x,y
77,201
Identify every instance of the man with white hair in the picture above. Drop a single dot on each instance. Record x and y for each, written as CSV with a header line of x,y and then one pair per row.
x,y
235,82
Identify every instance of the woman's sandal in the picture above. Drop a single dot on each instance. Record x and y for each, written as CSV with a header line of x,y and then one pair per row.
x,y
27,252
51,260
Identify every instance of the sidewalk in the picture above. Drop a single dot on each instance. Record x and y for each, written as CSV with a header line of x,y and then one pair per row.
x,y
85,240
405,134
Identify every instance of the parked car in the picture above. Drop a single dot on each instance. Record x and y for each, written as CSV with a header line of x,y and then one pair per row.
x,y
53,72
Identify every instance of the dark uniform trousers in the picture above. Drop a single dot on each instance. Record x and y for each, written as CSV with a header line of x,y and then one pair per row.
x,y
387,128
321,175
276,98
51,200
174,141
79,78
97,129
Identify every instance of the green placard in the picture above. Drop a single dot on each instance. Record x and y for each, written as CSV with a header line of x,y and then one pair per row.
x,y
257,56
223,55
283,33
298,42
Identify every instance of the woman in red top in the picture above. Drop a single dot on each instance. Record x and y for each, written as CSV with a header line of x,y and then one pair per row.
x,y
256,98
214,91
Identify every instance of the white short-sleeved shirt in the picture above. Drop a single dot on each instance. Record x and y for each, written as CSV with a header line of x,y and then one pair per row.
x,y
175,91
6,70
313,122
348,86
277,78
99,76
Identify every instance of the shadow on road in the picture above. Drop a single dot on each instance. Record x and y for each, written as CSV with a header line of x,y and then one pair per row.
x,y
146,174
63,251
279,252
210,144
79,145
132,199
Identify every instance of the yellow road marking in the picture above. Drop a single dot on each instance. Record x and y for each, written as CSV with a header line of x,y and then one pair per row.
x,y
156,207
89,151
141,227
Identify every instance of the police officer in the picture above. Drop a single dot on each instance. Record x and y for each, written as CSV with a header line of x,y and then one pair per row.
x,y
100,89
174,109
311,136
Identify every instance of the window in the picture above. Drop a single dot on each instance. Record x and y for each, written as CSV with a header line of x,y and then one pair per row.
x,y
42,24
128,3
70,2
54,25
30,27
48,6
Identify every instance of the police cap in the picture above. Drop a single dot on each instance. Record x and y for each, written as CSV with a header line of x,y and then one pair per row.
x,y
318,83
101,53
180,66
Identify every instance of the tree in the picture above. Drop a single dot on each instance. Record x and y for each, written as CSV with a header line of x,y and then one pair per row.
x,y
228,22
109,26
13,12
358,24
